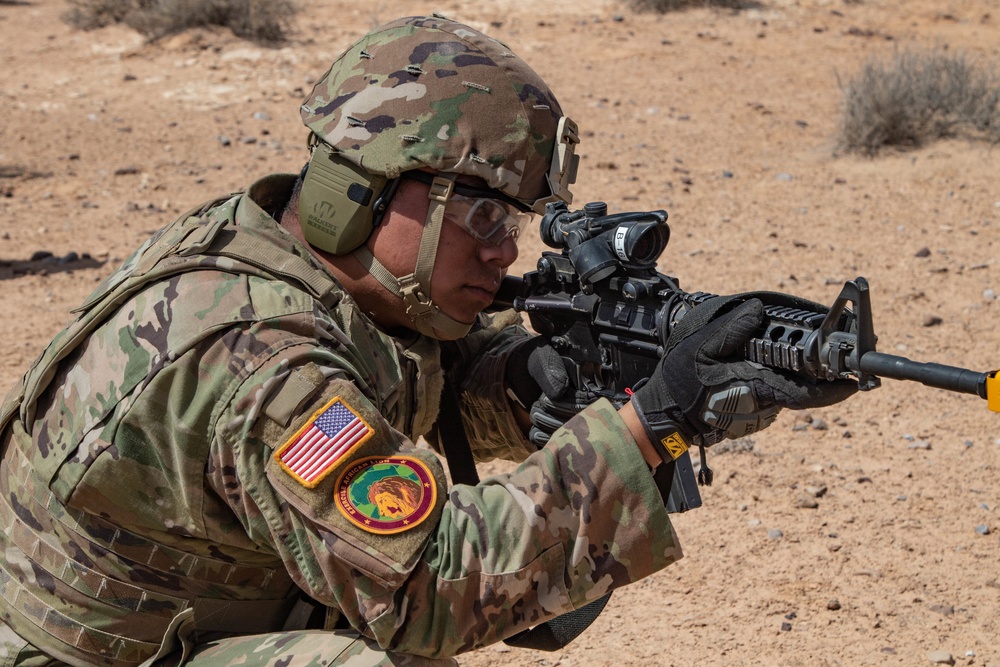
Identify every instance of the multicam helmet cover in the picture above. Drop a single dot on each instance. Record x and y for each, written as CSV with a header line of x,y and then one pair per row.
x,y
429,92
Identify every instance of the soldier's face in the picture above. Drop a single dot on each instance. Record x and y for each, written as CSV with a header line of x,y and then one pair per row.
x,y
466,274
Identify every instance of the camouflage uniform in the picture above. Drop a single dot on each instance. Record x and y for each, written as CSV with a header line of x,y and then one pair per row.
x,y
145,499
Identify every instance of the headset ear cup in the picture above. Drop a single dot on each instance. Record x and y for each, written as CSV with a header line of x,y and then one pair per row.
x,y
336,201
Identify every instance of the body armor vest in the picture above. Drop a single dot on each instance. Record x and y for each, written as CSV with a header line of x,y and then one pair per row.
x,y
88,591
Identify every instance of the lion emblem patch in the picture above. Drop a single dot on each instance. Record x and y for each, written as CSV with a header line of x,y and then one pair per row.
x,y
386,494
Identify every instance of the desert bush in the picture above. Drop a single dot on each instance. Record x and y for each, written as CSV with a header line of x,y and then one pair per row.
x,y
662,6
918,96
264,21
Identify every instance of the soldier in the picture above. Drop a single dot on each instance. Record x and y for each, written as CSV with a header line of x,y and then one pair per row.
x,y
214,463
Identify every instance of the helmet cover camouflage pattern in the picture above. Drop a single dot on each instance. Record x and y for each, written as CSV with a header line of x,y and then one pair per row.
x,y
430,92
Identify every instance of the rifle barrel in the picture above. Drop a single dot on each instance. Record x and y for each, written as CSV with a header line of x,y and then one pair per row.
x,y
941,376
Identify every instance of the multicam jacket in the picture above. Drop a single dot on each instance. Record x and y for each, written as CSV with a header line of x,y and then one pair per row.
x,y
222,429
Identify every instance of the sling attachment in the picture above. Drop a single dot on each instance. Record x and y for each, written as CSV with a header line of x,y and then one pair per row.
x,y
557,632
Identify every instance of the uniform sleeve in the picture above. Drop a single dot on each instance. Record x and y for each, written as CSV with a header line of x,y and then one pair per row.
x,y
479,369
364,522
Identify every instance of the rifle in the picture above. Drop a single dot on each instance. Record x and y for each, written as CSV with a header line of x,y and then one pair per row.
x,y
603,306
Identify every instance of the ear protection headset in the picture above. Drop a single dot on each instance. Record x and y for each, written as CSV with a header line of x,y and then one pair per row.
x,y
340,203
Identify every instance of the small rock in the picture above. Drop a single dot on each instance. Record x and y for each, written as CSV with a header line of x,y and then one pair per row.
x,y
69,258
753,523
983,529
941,658
819,424
943,609
909,437
800,427
224,140
806,502
775,534
932,320
833,605
40,255
816,491
260,115
784,177
920,444
923,252
786,627
126,171
727,174
989,294
618,18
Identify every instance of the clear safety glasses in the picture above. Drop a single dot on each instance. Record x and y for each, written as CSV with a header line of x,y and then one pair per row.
x,y
490,216
489,221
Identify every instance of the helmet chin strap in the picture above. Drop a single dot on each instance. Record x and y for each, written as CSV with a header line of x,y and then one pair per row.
x,y
415,288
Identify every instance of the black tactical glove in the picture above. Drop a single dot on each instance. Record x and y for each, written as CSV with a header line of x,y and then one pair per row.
x,y
533,369
537,380
703,391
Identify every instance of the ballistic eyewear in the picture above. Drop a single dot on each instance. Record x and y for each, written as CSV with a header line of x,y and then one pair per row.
x,y
490,216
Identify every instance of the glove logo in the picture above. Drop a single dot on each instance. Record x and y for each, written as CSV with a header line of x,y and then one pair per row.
x,y
674,444
386,494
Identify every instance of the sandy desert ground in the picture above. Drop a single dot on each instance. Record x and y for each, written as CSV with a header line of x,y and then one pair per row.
x,y
728,121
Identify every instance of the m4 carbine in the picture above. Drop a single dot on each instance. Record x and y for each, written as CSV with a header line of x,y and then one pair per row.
x,y
607,311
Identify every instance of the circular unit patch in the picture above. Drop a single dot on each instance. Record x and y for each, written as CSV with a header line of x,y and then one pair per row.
x,y
386,494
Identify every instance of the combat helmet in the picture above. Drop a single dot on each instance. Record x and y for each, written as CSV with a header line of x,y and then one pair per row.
x,y
427,93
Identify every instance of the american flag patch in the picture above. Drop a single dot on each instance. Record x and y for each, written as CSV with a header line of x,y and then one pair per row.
x,y
330,434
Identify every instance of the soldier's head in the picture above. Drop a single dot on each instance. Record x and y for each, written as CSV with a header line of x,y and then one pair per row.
x,y
433,113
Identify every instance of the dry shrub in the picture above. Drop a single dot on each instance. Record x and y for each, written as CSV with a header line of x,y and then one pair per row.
x,y
263,21
662,6
93,14
919,96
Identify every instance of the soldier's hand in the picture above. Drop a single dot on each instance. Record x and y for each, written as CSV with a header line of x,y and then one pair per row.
x,y
534,369
538,382
703,391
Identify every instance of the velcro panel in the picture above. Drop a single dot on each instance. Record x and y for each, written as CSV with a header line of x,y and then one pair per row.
x,y
347,471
